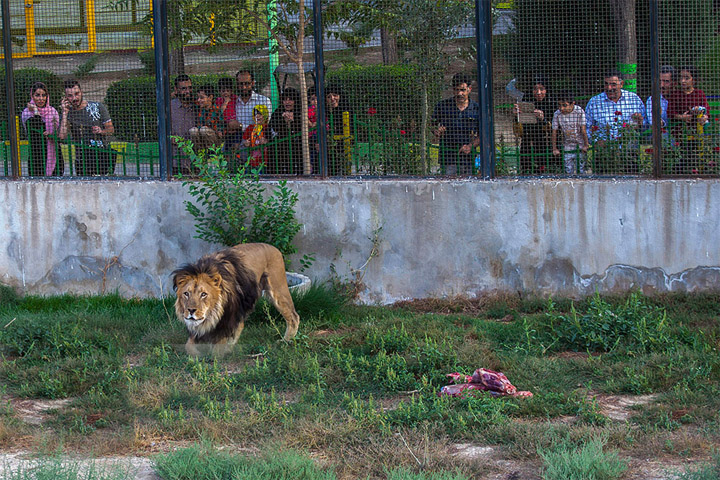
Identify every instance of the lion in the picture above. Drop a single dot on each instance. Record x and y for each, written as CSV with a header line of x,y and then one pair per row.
x,y
216,293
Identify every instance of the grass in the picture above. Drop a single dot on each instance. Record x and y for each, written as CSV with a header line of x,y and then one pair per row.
x,y
586,462
357,390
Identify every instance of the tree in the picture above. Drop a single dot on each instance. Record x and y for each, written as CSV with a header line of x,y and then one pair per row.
x,y
364,17
425,29
215,22
289,23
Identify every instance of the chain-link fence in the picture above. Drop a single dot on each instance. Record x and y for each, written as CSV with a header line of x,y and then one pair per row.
x,y
569,90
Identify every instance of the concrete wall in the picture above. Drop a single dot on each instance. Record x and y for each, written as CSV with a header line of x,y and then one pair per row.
x,y
433,237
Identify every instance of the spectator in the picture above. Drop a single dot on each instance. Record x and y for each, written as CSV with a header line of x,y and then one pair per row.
x,y
312,127
41,120
248,99
339,121
688,107
245,105
227,102
89,125
569,119
257,134
456,123
666,87
614,116
227,99
608,112
209,125
285,123
182,119
535,146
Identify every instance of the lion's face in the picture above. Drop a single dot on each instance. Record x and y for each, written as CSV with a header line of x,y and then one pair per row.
x,y
199,301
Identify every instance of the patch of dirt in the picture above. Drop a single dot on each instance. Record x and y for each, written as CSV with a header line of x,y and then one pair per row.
x,y
458,305
619,407
502,469
34,411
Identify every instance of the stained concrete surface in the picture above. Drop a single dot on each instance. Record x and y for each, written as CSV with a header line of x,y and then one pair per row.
x,y
433,238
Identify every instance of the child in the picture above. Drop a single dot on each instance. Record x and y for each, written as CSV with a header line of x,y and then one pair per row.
x,y
210,123
257,134
570,118
226,100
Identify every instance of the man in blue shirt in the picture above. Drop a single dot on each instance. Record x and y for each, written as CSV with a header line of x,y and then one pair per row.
x,y
456,123
615,116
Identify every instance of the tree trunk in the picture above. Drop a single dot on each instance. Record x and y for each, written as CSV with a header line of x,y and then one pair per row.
x,y
389,47
177,61
624,11
300,51
304,121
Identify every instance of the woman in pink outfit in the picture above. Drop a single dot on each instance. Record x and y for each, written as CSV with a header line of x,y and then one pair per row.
x,y
40,118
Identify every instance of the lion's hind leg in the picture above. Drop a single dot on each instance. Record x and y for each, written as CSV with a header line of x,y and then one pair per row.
x,y
279,294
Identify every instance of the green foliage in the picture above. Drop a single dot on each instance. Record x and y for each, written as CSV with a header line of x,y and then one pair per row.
x,y
634,325
708,471
682,23
406,474
87,66
231,208
538,46
393,90
589,462
132,104
200,462
8,296
58,468
189,18
42,340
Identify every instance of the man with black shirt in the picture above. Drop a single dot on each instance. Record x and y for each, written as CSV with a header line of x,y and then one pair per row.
x,y
456,123
89,125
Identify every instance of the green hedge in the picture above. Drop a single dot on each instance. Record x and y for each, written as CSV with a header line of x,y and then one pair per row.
x,y
392,90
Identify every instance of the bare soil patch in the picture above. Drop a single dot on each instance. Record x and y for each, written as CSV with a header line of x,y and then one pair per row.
x,y
34,411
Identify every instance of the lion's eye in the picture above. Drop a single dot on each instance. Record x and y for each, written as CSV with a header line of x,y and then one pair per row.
x,y
186,294
203,295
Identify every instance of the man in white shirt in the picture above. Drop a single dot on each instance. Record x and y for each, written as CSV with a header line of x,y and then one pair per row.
x,y
244,106
247,100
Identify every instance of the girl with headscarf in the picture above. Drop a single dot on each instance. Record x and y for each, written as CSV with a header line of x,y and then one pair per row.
x,y
257,134
39,118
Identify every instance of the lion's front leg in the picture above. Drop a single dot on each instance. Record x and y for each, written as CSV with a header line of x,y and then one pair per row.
x,y
190,347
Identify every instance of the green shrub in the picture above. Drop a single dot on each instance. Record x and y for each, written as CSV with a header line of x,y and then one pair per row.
x,y
707,471
634,325
588,462
205,462
231,208
392,90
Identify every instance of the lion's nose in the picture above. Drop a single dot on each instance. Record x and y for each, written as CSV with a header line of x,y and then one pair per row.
x,y
192,311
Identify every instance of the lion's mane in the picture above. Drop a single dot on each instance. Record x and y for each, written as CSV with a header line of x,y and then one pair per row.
x,y
235,293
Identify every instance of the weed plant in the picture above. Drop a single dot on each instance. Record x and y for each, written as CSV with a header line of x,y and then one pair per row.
x,y
587,462
707,471
358,379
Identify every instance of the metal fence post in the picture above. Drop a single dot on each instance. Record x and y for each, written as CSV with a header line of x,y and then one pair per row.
x,y
486,131
162,87
10,90
320,88
655,89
